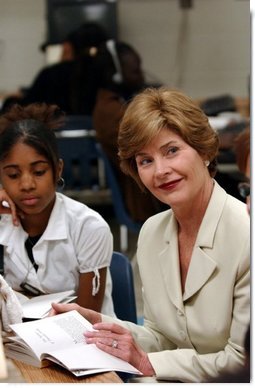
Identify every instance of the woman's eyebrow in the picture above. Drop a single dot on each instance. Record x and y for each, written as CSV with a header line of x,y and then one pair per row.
x,y
171,142
140,154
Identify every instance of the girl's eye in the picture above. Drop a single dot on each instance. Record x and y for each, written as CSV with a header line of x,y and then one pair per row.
x,y
39,172
13,176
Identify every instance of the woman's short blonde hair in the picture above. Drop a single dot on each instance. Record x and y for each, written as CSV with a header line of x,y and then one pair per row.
x,y
155,109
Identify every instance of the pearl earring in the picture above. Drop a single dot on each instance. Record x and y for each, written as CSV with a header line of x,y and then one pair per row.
x,y
207,163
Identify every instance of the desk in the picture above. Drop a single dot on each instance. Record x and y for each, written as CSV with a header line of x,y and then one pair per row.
x,y
56,374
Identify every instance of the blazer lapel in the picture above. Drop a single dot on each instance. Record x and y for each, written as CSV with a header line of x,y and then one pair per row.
x,y
200,269
169,265
202,265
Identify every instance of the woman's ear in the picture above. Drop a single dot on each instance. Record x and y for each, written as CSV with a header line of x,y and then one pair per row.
x,y
60,182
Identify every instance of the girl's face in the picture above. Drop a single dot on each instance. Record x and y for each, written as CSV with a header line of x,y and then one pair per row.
x,y
173,171
27,177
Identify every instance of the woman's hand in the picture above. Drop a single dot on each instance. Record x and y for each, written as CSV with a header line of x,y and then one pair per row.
x,y
118,341
7,206
90,315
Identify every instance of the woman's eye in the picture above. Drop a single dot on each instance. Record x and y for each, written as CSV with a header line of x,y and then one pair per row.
x,y
144,161
172,150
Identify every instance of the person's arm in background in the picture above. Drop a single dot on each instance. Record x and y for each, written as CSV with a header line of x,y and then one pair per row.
x,y
107,114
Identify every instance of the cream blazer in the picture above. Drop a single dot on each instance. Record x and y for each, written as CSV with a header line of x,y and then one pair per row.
x,y
195,335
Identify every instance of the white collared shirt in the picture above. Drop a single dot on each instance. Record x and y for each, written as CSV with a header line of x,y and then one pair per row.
x,y
76,240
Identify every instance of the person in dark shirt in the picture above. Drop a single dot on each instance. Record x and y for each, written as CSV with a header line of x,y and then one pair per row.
x,y
57,84
120,76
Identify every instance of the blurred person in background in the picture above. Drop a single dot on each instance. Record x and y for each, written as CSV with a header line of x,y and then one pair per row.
x,y
56,84
120,77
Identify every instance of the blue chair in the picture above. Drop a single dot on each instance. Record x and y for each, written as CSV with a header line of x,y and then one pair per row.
x,y
83,172
123,293
77,122
125,221
80,157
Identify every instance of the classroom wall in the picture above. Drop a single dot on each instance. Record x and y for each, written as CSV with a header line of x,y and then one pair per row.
x,y
204,50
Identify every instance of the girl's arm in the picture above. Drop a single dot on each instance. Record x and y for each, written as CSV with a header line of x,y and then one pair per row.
x,y
87,297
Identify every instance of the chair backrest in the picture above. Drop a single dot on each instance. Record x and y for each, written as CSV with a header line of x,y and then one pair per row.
x,y
77,122
123,293
80,155
120,210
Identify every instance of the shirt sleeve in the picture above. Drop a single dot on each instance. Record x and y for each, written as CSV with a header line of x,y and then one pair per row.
x,y
94,246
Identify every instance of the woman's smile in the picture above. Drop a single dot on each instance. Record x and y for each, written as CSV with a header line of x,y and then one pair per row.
x,y
169,186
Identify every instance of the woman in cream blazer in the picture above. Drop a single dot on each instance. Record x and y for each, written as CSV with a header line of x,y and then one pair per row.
x,y
193,259
200,332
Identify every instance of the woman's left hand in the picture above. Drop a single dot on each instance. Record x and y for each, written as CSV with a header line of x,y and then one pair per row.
x,y
118,341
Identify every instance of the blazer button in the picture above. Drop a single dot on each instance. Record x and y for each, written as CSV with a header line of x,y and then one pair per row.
x,y
182,335
179,312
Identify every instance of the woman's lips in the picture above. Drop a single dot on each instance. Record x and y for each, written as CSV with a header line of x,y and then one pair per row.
x,y
169,185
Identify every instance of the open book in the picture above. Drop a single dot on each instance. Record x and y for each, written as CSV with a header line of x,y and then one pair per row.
x,y
39,306
60,339
3,367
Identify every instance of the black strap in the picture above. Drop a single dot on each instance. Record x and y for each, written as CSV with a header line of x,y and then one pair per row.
x,y
30,254
29,243
1,260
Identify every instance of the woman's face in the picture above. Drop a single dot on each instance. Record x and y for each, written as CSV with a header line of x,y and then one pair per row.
x,y
27,177
173,171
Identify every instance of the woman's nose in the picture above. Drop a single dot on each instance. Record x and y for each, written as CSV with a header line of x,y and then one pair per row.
x,y
161,167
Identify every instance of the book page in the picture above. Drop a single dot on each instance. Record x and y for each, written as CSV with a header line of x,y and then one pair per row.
x,y
80,357
62,337
3,367
21,297
39,306
57,332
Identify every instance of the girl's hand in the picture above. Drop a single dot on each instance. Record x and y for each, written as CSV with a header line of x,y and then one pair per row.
x,y
7,206
118,341
90,315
